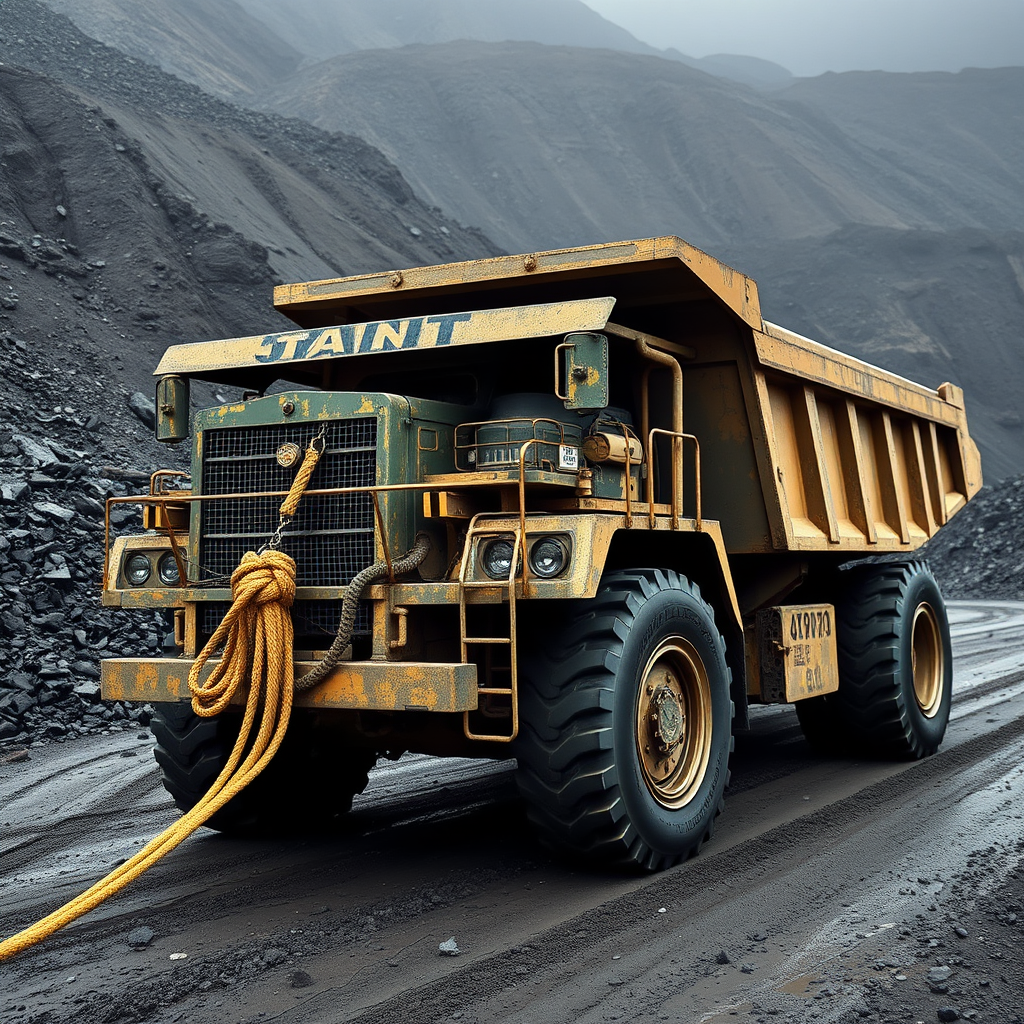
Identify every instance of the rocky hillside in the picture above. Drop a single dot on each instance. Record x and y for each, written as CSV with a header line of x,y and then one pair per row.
x,y
136,211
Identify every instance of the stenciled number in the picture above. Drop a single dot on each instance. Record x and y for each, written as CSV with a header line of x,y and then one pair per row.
x,y
810,625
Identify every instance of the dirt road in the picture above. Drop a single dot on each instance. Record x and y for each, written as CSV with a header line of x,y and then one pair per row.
x,y
834,890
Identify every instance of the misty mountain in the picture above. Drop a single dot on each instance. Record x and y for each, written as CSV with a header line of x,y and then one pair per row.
x,y
551,146
326,28
236,47
216,44
545,146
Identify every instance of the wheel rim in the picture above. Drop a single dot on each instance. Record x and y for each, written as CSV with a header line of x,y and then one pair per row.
x,y
928,660
673,723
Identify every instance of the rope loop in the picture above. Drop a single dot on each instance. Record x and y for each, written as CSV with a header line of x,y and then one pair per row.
x,y
264,579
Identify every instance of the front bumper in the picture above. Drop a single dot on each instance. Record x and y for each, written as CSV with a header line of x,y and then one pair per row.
x,y
354,685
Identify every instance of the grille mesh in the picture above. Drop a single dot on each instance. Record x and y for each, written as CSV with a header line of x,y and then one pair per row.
x,y
316,622
330,537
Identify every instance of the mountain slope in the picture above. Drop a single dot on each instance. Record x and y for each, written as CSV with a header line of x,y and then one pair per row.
x,y
235,47
325,28
546,146
136,212
216,44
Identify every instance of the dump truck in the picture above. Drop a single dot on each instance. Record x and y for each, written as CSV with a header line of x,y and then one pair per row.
x,y
583,508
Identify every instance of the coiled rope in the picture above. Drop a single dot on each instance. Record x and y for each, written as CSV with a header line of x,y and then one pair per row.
x,y
258,640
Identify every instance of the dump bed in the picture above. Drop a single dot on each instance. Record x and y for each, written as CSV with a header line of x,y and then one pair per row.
x,y
802,447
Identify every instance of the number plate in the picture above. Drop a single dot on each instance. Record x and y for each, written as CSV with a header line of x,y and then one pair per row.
x,y
797,648
568,457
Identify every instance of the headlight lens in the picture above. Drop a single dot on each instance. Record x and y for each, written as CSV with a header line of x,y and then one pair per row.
x,y
137,570
548,557
167,568
497,558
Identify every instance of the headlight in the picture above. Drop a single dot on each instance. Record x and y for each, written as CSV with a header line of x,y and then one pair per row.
x,y
137,570
497,558
167,568
548,557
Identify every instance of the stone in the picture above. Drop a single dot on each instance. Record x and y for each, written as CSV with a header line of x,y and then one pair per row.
x,y
54,511
40,454
14,490
143,407
139,938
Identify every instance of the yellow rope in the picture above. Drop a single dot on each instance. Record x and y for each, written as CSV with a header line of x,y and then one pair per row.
x,y
299,484
258,640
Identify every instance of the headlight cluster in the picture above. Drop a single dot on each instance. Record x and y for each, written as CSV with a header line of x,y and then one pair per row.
x,y
139,568
548,557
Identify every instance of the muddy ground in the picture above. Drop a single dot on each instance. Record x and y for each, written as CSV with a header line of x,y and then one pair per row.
x,y
834,890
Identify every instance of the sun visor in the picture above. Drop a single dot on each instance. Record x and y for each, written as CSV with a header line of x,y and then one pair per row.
x,y
441,330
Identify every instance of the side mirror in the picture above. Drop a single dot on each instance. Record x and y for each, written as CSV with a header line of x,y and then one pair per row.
x,y
172,402
584,367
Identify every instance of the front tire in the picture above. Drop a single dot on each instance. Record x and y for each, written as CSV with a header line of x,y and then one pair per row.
x,y
309,784
626,735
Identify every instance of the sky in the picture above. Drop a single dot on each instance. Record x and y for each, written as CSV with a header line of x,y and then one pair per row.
x,y
810,37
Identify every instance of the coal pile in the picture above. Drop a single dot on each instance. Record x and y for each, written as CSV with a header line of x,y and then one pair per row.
x,y
54,480
980,552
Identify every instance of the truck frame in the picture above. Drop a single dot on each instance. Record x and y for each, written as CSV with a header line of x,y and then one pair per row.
x,y
581,507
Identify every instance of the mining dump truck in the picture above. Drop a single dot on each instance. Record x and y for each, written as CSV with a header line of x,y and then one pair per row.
x,y
582,508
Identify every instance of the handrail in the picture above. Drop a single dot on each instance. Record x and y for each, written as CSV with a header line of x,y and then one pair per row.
x,y
372,490
522,510
677,474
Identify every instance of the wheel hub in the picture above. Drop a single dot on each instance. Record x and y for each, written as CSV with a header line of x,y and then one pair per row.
x,y
927,660
668,719
673,722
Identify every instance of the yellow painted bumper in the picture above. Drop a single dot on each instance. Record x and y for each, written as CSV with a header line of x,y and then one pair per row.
x,y
359,685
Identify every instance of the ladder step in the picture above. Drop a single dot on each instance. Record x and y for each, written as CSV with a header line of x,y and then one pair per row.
x,y
487,640
500,691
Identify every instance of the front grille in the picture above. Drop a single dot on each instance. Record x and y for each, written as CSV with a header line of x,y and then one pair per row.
x,y
315,622
330,537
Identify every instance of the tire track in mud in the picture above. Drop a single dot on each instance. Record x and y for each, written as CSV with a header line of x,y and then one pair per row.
x,y
583,939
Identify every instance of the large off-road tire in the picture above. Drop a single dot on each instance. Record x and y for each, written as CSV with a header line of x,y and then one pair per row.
x,y
307,786
895,666
626,724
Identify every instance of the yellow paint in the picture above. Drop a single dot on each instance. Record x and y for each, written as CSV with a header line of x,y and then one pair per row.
x,y
368,686
480,326
729,286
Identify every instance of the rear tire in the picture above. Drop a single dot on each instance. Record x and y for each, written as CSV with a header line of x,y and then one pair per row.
x,y
626,735
895,666
307,786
